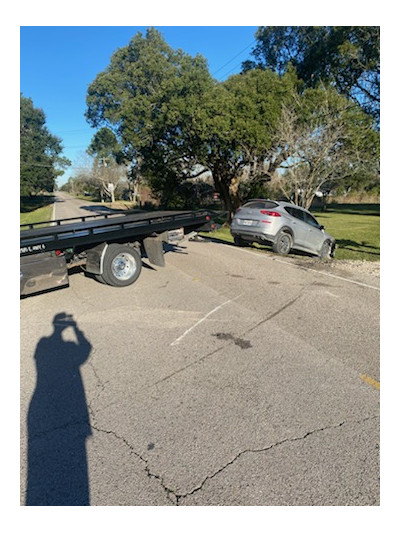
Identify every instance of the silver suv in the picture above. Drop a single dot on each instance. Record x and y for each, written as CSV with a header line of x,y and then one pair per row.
x,y
283,225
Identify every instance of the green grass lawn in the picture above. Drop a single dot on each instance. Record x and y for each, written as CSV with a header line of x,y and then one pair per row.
x,y
39,215
355,227
35,209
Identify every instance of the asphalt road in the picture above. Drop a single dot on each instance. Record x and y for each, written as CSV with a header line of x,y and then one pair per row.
x,y
66,206
228,377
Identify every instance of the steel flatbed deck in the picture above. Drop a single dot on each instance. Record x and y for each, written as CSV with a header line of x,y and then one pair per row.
x,y
93,229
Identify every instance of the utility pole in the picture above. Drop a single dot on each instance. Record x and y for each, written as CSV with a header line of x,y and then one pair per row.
x,y
103,159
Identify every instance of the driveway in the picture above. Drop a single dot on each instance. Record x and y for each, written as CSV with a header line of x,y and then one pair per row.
x,y
229,377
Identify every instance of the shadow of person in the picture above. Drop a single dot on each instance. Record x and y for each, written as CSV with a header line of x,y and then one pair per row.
x,y
58,421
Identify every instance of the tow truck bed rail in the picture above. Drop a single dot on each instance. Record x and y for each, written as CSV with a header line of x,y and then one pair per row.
x,y
92,229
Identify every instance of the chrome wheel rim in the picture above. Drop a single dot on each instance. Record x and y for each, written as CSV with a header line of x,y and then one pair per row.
x,y
284,244
326,250
123,266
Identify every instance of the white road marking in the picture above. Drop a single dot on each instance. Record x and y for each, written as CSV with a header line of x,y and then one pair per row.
x,y
331,294
178,340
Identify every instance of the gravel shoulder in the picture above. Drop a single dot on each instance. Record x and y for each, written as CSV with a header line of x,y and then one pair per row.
x,y
367,272
371,268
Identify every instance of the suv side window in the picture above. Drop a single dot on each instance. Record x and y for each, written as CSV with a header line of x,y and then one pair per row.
x,y
297,213
290,211
310,220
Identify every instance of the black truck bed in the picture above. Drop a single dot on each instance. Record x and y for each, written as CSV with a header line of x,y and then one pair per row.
x,y
92,229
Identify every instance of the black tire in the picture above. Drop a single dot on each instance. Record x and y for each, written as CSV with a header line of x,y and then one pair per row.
x,y
239,241
283,243
326,250
122,265
99,278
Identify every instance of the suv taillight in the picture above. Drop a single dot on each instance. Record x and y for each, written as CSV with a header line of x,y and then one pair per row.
x,y
270,213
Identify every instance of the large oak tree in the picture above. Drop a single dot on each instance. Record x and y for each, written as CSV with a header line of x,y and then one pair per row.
x,y
175,122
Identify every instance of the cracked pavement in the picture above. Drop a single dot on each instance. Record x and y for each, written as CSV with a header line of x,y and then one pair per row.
x,y
260,404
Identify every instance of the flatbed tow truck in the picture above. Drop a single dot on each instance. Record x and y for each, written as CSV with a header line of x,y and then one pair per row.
x,y
109,246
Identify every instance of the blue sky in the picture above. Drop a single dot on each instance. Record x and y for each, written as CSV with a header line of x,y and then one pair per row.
x,y
58,63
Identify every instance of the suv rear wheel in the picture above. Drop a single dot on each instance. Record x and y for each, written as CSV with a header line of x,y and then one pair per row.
x,y
283,243
239,241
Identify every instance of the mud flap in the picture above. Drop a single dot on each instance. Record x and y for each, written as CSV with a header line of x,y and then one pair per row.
x,y
95,257
154,249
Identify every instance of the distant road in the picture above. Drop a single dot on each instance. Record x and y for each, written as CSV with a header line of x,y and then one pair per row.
x,y
67,207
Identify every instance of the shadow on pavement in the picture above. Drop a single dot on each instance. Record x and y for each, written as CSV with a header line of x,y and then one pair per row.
x,y
58,420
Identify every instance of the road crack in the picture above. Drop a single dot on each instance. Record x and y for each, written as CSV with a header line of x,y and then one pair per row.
x,y
175,498
171,495
179,370
265,449
99,388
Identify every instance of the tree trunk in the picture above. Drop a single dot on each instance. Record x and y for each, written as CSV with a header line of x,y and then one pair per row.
x,y
228,189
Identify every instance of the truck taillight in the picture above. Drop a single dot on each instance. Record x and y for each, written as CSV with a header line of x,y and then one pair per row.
x,y
270,213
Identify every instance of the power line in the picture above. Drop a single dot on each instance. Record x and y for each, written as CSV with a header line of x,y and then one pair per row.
x,y
234,57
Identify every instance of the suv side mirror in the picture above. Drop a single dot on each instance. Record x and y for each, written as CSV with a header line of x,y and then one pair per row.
x,y
321,227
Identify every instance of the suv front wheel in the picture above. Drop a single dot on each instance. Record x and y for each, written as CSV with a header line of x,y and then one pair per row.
x,y
326,250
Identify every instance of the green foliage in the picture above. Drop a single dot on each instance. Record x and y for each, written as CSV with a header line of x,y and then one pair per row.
x,y
148,92
40,151
152,96
105,146
251,111
348,57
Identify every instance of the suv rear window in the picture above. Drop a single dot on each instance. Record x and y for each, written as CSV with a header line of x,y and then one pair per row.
x,y
260,204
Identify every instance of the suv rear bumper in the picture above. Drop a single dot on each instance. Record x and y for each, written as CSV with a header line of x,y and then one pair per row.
x,y
253,236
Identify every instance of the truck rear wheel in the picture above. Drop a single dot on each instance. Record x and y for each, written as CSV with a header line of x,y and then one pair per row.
x,y
121,265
